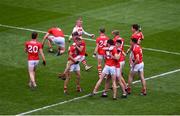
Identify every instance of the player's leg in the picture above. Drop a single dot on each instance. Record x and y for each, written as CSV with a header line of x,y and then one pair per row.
x,y
50,38
31,69
143,81
122,78
99,83
119,79
78,75
130,79
114,86
99,67
66,82
66,70
107,86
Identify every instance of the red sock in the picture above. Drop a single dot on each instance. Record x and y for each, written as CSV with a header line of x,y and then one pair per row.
x,y
99,70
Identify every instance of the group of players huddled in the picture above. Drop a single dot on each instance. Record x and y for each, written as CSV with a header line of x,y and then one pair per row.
x,y
110,51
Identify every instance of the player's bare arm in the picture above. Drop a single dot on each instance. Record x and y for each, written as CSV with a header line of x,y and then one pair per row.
x,y
45,37
42,55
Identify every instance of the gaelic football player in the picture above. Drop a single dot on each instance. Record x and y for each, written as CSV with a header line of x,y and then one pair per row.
x,y
33,48
55,35
79,28
110,62
137,66
99,53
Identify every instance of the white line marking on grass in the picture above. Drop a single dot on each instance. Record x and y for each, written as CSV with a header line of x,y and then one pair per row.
x,y
78,98
26,29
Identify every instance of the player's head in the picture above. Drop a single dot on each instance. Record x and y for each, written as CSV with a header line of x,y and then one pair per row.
x,y
115,32
110,42
133,41
79,22
102,30
34,35
75,34
135,27
78,40
118,43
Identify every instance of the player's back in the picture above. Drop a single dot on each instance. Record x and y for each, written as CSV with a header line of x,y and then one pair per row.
x,y
32,48
57,32
137,50
101,41
108,56
137,35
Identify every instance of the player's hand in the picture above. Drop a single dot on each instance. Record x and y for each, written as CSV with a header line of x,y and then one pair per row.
x,y
86,54
77,62
44,63
92,36
118,51
94,55
69,41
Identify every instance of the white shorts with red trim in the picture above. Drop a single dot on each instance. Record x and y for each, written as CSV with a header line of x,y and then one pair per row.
x,y
74,68
60,41
100,56
32,64
79,58
109,70
138,67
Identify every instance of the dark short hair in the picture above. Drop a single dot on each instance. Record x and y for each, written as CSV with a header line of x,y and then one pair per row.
x,y
110,41
115,32
102,30
119,41
34,35
78,38
136,27
134,40
75,33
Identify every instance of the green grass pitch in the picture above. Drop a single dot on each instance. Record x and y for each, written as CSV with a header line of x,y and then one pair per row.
x,y
160,20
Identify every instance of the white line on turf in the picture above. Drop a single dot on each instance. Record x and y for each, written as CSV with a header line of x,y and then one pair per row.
x,y
27,29
78,98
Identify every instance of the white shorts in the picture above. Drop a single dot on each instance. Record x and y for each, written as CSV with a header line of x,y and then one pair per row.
x,y
109,70
138,67
60,41
74,68
100,56
79,58
32,64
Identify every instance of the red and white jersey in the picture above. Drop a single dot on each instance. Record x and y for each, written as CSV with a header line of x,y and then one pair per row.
x,y
83,52
73,50
32,47
137,51
78,29
137,35
108,56
101,41
121,48
57,32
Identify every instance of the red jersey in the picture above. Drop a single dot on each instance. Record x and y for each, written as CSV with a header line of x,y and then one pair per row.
x,y
57,32
137,50
108,59
121,48
73,50
32,47
101,41
83,52
137,35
